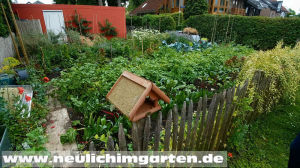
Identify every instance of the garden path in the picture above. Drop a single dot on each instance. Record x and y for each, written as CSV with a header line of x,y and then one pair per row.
x,y
58,124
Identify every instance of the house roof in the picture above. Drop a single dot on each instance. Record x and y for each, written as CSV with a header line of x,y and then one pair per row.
x,y
283,9
261,4
38,2
149,6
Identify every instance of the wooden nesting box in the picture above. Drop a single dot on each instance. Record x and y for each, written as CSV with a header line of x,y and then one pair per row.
x,y
135,96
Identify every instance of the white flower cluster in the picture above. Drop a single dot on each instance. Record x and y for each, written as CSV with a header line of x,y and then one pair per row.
x,y
144,33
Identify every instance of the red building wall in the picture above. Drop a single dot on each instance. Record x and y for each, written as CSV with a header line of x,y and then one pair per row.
x,y
116,15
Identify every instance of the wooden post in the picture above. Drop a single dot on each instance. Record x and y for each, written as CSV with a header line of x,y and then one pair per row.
x,y
10,32
142,47
43,58
18,33
111,51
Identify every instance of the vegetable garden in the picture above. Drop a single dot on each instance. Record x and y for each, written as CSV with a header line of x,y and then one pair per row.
x,y
79,75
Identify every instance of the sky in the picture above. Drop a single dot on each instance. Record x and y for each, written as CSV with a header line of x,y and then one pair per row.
x,y
293,4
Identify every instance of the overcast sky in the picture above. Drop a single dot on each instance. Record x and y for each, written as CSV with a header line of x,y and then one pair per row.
x,y
293,4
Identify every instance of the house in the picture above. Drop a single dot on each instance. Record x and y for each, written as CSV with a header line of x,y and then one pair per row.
x,y
268,8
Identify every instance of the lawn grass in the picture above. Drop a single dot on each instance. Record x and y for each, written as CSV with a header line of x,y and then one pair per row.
x,y
268,140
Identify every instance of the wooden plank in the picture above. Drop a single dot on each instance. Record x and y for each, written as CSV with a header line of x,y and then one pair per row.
x,y
175,128
110,144
135,137
92,147
122,139
157,131
210,123
228,113
146,133
182,127
168,132
189,125
225,118
196,125
218,121
202,124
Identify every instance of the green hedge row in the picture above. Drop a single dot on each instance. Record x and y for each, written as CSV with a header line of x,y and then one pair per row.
x,y
160,22
257,32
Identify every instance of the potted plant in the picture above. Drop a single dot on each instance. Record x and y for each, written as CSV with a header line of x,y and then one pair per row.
x,y
7,73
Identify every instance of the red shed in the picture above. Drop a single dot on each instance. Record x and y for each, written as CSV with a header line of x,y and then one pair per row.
x,y
55,16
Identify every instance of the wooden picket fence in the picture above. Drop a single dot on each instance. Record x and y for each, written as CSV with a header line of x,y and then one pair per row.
x,y
203,127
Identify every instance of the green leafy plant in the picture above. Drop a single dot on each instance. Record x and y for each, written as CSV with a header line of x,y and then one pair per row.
x,y
35,140
108,29
69,136
8,64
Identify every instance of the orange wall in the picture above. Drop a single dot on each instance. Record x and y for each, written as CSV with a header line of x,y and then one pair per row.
x,y
116,15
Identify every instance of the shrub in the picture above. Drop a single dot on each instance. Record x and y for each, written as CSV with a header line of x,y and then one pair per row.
x,y
281,68
161,22
195,7
178,18
257,32
135,21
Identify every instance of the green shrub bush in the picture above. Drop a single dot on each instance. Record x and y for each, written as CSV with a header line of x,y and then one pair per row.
x,y
257,32
282,71
178,18
161,22
195,7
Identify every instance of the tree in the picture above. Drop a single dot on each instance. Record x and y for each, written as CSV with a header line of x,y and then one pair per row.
x,y
3,26
195,7
291,13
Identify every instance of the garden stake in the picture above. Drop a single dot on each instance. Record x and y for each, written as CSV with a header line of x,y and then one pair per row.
x,y
10,32
110,51
227,29
43,58
142,47
159,25
18,33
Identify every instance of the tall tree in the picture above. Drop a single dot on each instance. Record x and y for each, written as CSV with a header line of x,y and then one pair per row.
x,y
195,7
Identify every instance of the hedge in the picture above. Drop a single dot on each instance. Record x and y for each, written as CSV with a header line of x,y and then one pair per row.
x,y
258,32
161,22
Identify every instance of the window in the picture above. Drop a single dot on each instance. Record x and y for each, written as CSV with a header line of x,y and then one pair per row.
x,y
219,6
177,3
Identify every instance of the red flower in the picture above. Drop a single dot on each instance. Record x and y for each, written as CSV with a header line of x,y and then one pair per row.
x,y
27,98
44,125
46,79
51,121
230,154
53,126
21,90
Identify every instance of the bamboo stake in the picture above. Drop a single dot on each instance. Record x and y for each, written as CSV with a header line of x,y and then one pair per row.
x,y
43,58
18,33
10,32
142,47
